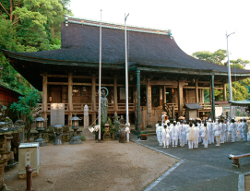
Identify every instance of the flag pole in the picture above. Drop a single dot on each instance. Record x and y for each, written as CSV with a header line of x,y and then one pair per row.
x,y
126,74
100,75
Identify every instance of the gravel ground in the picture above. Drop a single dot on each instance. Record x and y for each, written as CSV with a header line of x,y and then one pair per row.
x,y
94,166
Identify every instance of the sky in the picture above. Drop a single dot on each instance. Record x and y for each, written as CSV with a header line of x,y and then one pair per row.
x,y
197,25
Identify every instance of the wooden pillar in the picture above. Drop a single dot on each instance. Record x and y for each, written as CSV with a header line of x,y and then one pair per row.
x,y
196,91
161,96
149,103
186,97
138,100
224,92
202,95
210,94
70,103
45,93
115,94
213,98
180,98
164,97
93,99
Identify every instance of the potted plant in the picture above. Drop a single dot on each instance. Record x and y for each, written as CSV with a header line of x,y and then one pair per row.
x,y
143,135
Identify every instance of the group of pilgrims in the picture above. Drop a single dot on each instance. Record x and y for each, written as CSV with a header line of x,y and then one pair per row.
x,y
197,131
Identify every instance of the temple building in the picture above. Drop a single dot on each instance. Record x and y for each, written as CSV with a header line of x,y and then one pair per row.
x,y
161,76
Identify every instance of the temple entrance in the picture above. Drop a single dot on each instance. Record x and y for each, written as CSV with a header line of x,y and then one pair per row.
x,y
55,94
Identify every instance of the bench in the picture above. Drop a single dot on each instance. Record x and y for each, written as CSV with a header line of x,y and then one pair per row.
x,y
236,158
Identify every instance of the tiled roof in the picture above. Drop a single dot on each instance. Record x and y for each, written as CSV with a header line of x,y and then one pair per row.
x,y
148,48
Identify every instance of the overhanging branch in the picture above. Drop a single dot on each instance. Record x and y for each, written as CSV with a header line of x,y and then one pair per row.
x,y
4,8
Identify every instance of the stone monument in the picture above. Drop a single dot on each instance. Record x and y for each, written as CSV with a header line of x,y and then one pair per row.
x,y
104,107
57,113
86,116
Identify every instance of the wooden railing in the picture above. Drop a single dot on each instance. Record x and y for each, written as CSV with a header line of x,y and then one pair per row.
x,y
79,107
206,105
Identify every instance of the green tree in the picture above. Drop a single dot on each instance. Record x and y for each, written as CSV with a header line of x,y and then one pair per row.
x,y
241,62
216,57
239,88
24,108
29,25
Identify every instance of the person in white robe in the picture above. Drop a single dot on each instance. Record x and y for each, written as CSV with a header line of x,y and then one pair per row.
x,y
186,125
182,133
217,131
240,125
211,132
233,130
222,131
227,133
163,136
159,136
204,135
199,126
174,132
190,136
245,129
166,136
196,135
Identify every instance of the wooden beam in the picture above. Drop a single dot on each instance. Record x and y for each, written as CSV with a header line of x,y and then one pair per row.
x,y
82,84
58,83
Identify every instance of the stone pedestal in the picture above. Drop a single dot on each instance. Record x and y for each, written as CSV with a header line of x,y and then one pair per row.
x,y
107,136
75,140
58,139
41,141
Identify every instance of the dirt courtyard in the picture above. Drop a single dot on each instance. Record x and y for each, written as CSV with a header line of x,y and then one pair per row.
x,y
94,166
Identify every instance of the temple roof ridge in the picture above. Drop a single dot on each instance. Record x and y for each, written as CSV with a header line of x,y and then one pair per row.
x,y
86,21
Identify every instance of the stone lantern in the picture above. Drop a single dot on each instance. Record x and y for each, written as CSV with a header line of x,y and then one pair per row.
x,y
40,127
75,125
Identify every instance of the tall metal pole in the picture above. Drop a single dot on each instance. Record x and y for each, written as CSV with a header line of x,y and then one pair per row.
x,y
229,77
126,69
100,76
126,75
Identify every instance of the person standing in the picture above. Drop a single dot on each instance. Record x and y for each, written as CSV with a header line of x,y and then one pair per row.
x,y
167,137
159,132
163,136
196,135
245,129
175,132
204,135
233,130
211,132
240,125
182,133
217,131
190,136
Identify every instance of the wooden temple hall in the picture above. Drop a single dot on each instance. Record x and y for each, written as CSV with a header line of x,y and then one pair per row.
x,y
162,78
